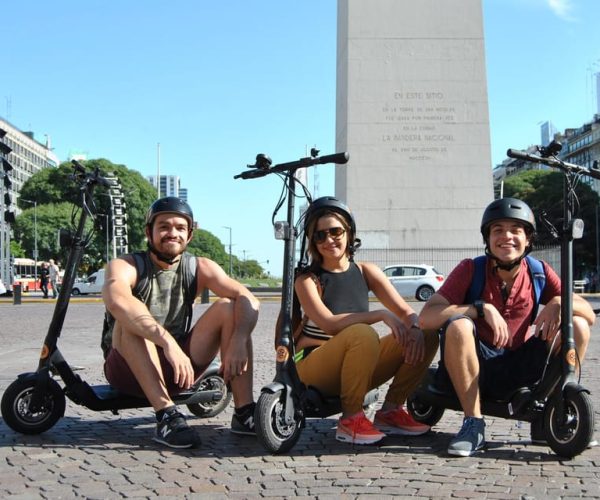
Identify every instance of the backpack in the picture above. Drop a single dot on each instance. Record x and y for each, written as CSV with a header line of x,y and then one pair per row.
x,y
536,272
141,290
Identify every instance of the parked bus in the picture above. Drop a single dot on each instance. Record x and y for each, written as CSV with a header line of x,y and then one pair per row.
x,y
24,273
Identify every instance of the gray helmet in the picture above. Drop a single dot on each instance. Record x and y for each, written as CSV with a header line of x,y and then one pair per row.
x,y
170,205
328,203
507,208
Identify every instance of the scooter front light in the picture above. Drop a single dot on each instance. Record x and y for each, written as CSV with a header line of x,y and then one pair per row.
x,y
281,229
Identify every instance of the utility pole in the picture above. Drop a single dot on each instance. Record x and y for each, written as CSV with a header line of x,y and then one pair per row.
x,y
35,238
230,255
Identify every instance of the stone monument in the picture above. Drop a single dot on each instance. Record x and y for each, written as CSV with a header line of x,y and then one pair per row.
x,y
412,112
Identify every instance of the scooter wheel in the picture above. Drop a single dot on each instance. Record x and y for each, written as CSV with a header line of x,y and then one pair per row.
x,y
276,435
423,412
213,408
569,429
15,406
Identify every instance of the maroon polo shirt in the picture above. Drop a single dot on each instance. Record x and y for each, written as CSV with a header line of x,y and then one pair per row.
x,y
518,308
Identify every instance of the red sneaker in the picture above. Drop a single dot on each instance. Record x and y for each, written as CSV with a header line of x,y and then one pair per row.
x,y
399,422
357,429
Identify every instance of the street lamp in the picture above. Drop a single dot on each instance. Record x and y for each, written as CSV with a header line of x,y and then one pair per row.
x,y
230,255
35,238
106,230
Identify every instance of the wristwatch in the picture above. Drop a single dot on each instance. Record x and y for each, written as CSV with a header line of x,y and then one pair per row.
x,y
479,306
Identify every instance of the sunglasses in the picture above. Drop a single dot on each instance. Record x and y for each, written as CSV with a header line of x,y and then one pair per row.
x,y
335,232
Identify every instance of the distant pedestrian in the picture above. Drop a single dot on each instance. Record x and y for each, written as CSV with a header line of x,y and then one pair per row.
x,y
54,278
44,278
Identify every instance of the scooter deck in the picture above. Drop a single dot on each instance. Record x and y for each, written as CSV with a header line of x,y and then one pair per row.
x,y
107,398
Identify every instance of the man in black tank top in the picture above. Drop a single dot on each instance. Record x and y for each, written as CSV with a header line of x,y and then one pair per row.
x,y
153,354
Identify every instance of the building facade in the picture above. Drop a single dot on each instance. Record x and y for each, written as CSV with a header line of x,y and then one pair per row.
x,y
170,185
24,157
580,146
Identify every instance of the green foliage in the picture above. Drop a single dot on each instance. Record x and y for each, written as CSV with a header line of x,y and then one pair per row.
x,y
56,193
50,218
542,190
206,244
16,250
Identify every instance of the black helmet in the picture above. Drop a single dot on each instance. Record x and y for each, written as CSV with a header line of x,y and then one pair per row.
x,y
171,205
328,203
507,208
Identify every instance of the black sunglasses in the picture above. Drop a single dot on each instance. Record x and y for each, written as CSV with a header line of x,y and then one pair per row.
x,y
335,232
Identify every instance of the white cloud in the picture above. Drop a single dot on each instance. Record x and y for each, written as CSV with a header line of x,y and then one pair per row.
x,y
562,9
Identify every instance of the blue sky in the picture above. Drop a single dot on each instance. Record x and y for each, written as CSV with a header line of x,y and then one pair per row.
x,y
216,82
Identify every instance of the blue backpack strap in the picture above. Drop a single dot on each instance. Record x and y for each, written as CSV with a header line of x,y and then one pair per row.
x,y
538,278
478,281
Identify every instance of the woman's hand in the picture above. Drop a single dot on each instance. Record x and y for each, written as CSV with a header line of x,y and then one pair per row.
x,y
397,327
415,346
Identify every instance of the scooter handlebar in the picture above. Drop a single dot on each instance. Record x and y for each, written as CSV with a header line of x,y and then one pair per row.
x,y
94,176
339,158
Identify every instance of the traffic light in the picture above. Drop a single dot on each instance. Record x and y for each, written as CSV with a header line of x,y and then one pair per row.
x,y
118,216
5,150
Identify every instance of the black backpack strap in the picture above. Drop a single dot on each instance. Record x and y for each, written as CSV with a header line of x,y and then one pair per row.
x,y
141,290
190,285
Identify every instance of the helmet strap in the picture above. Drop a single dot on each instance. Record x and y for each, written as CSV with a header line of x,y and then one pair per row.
x,y
506,266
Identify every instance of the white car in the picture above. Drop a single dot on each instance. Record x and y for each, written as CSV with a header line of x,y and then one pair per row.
x,y
414,280
93,284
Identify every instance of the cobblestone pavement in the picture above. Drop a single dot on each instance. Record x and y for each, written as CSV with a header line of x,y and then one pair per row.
x,y
100,455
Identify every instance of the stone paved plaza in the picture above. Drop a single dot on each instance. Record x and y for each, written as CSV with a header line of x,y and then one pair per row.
x,y
100,455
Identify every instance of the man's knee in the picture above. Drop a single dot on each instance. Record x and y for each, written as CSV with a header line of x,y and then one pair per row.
x,y
459,329
581,331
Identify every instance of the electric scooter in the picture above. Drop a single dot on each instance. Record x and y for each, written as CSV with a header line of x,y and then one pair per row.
x,y
558,408
35,401
285,403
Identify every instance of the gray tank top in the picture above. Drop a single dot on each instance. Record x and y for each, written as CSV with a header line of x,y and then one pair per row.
x,y
166,299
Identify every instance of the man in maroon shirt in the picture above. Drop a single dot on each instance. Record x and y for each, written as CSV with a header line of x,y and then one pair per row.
x,y
488,347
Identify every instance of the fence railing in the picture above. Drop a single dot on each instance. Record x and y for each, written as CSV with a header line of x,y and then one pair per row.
x,y
443,259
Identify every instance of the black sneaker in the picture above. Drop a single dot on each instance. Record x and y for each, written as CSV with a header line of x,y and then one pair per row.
x,y
243,424
173,431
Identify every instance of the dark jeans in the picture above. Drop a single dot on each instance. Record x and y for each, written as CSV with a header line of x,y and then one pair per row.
x,y
501,371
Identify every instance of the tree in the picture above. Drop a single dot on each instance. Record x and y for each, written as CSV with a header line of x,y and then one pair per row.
x,y
542,190
206,244
56,193
50,218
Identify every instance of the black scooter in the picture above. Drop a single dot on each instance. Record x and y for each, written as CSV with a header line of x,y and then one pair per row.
x,y
285,403
35,401
559,409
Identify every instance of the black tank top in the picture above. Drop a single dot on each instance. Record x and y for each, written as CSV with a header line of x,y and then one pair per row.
x,y
345,292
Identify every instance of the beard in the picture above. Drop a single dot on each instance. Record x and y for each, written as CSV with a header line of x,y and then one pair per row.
x,y
168,253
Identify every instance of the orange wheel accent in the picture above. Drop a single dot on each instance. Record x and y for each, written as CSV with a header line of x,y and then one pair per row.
x,y
571,358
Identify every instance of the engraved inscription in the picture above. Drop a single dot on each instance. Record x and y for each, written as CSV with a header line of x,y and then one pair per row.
x,y
420,124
